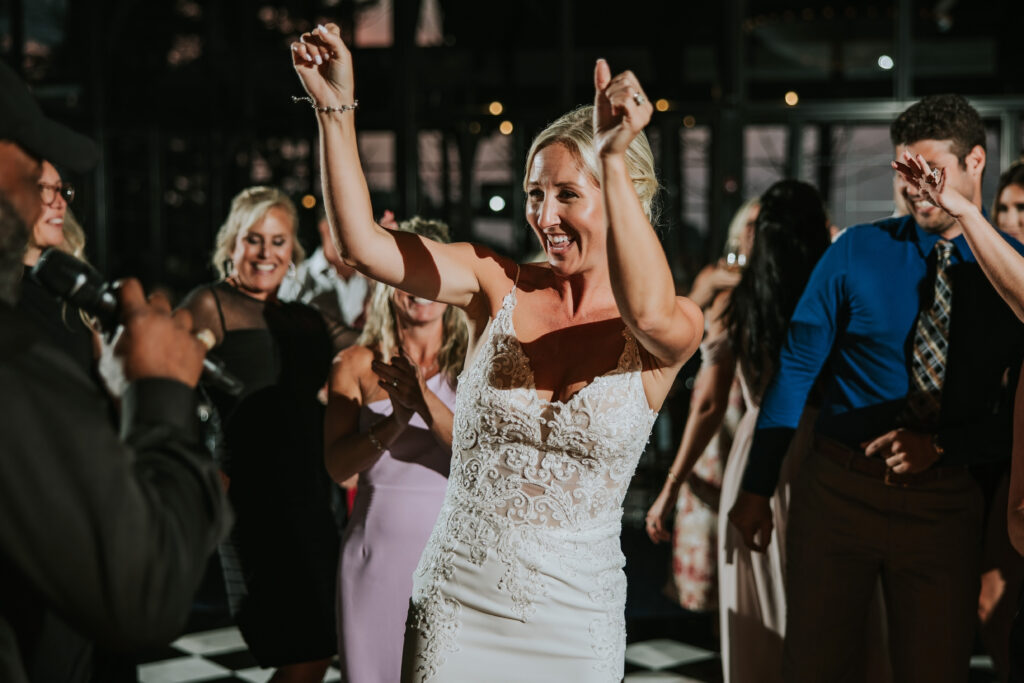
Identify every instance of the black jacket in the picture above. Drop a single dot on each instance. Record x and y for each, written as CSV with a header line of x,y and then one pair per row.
x,y
103,537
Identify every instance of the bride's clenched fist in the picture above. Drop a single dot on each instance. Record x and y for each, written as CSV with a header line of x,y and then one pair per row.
x,y
324,66
621,109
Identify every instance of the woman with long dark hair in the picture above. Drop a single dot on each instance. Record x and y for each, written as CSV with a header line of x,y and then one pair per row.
x,y
746,331
714,414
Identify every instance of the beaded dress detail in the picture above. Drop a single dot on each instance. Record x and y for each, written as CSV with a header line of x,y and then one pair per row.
x,y
524,564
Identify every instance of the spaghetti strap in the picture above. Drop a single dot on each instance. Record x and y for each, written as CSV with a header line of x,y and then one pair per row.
x,y
220,311
515,283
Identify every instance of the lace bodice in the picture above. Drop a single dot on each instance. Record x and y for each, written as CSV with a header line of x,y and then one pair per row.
x,y
533,506
546,463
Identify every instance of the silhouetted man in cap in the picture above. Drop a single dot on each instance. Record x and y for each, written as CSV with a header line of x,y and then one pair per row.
x,y
103,537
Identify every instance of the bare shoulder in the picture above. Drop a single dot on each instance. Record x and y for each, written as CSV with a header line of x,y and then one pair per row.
x,y
536,274
353,361
496,274
534,277
351,373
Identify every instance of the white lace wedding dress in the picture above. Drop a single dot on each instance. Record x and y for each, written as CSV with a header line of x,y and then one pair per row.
x,y
522,578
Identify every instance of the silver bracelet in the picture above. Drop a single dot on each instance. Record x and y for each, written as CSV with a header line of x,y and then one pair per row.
x,y
327,110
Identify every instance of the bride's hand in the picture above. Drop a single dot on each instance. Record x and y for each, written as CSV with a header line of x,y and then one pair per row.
x,y
931,184
621,109
324,66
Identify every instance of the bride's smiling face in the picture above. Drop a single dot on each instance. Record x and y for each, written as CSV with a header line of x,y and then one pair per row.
x,y
565,208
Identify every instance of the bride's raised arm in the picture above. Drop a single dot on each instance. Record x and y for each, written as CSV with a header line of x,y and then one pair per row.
x,y
1000,262
667,326
449,273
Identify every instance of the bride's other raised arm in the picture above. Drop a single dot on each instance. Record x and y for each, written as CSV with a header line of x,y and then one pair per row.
x,y
443,272
668,327
1000,262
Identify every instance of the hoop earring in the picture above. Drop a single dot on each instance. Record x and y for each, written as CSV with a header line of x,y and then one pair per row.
x,y
228,267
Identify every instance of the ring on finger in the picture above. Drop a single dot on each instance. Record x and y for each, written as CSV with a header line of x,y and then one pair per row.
x,y
936,173
206,338
639,98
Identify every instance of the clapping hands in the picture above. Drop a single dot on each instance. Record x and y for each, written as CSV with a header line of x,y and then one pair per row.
x,y
401,379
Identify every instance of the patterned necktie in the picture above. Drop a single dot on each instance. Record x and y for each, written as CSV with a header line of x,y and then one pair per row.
x,y
931,346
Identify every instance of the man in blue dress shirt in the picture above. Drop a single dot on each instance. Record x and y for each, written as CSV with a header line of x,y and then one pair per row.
x,y
885,494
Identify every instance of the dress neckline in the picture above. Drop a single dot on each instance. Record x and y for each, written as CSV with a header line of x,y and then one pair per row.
x,y
508,306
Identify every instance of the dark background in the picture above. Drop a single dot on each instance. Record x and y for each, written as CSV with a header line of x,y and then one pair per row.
x,y
190,102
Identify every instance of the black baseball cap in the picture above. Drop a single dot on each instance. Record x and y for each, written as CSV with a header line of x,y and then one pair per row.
x,y
23,122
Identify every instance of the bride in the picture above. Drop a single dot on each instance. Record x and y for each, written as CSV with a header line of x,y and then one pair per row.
x,y
522,576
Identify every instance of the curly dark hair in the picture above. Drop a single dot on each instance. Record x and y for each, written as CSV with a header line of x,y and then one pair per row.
x,y
940,117
790,235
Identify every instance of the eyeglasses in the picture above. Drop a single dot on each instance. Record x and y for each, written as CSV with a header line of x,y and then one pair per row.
x,y
49,192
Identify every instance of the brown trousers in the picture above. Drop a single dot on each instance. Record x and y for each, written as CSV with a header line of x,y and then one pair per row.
x,y
847,530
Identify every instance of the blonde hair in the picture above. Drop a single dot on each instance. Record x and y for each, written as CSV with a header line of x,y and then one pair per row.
x,y
74,236
381,330
575,131
738,224
247,209
73,243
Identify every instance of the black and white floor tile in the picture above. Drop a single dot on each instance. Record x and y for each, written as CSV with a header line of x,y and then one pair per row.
x,y
220,655
208,656
669,661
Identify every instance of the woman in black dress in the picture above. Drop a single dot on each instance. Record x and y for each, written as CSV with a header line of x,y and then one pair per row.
x,y
281,557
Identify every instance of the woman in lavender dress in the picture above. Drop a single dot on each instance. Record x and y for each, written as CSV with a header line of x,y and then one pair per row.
x,y
389,421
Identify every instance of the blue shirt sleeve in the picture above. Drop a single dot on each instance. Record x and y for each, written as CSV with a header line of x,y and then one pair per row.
x,y
809,339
